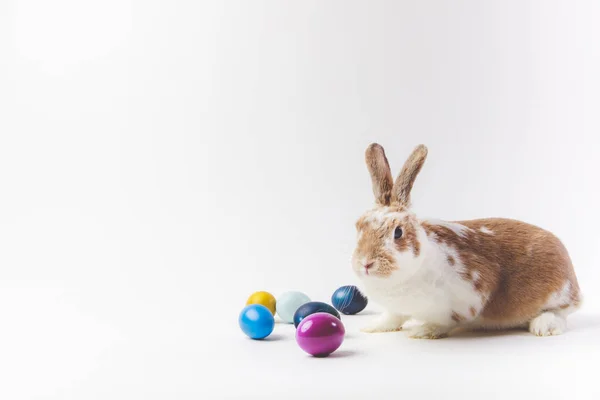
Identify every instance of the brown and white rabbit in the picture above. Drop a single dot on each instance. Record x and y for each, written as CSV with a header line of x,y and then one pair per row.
x,y
484,273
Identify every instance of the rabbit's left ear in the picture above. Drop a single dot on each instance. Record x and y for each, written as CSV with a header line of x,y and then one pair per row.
x,y
406,178
381,175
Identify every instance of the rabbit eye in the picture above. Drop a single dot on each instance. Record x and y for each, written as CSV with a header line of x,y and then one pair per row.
x,y
398,233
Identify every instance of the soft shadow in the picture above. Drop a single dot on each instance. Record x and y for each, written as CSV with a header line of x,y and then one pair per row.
x,y
341,354
482,333
271,338
337,354
363,312
583,322
575,323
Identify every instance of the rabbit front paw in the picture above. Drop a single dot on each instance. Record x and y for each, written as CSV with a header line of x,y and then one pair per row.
x,y
430,331
386,322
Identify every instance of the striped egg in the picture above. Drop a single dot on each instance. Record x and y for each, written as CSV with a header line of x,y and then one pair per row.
x,y
349,300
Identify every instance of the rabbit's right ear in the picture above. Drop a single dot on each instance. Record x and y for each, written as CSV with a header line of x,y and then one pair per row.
x,y
381,175
406,178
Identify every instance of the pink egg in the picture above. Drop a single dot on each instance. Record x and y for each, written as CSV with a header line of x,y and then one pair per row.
x,y
320,334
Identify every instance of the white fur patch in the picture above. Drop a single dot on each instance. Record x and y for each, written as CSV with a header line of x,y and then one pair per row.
x,y
427,287
485,230
360,266
474,276
547,324
455,227
385,322
429,331
377,217
559,298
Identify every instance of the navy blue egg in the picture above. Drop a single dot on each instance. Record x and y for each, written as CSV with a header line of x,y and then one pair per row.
x,y
349,300
313,307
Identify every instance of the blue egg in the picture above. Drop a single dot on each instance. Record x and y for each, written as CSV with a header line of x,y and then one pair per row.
x,y
349,300
256,321
313,307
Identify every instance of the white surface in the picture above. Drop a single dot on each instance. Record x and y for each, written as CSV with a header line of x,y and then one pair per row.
x,y
160,161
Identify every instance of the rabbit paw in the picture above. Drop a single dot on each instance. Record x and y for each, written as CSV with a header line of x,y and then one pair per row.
x,y
547,324
429,331
385,323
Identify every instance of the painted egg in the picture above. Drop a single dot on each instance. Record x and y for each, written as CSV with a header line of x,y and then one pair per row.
x,y
256,321
349,300
288,303
320,334
313,307
264,298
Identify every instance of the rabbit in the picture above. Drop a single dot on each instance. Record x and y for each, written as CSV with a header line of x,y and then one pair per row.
x,y
492,273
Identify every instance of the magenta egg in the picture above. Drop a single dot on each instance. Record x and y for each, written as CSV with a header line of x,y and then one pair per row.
x,y
320,334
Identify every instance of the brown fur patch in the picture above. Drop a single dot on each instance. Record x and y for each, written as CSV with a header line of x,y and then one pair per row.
x,y
408,174
371,244
456,317
409,238
381,175
519,266
473,311
451,260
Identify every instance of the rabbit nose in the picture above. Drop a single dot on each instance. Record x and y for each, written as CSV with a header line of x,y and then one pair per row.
x,y
368,265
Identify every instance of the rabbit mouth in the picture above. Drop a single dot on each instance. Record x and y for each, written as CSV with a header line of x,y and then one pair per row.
x,y
370,271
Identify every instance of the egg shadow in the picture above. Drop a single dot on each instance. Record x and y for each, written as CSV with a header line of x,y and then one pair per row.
x,y
366,312
337,354
274,337
342,354
271,338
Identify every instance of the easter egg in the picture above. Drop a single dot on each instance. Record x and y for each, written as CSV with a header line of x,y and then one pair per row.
x,y
288,303
349,300
256,321
264,298
320,334
313,307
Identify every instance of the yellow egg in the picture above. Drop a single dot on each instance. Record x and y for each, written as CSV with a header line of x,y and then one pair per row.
x,y
264,298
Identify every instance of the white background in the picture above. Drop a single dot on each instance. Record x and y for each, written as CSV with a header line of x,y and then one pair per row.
x,y
161,160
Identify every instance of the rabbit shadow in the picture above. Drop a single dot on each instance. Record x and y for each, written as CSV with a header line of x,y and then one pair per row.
x,y
583,322
575,323
483,333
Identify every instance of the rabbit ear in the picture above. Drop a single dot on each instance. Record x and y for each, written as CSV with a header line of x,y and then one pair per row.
x,y
381,174
406,178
